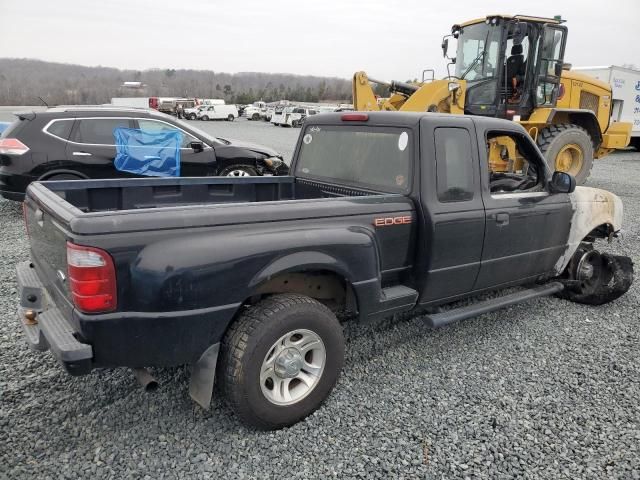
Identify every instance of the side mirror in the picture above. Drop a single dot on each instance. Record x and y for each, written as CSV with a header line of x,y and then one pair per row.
x,y
197,146
562,182
445,47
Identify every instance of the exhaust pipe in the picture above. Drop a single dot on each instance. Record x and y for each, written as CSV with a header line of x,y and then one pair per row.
x,y
148,382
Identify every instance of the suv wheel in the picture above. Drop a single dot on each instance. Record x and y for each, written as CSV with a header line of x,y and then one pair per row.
x,y
205,118
280,360
62,176
192,116
239,171
230,118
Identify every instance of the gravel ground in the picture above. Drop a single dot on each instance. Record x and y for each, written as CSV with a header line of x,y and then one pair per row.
x,y
547,389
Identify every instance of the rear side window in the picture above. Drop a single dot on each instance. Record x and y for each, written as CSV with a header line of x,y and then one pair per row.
x,y
378,158
454,164
60,128
99,131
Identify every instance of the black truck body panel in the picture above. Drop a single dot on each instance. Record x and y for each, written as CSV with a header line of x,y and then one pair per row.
x,y
190,252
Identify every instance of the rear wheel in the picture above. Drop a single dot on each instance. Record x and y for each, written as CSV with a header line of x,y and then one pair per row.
x,y
280,360
239,171
205,118
567,148
255,116
230,118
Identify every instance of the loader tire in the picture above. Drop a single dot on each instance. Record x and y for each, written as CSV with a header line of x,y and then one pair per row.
x,y
567,148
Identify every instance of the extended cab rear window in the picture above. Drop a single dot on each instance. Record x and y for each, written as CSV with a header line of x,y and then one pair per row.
x,y
377,158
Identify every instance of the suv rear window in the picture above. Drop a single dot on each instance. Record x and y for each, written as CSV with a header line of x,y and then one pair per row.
x,y
99,131
60,128
378,158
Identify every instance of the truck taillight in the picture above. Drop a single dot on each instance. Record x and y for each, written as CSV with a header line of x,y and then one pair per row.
x,y
92,279
12,146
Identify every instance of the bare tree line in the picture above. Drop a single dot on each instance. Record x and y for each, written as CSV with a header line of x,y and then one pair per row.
x,y
22,81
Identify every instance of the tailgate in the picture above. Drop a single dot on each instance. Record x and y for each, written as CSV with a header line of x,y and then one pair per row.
x,y
48,235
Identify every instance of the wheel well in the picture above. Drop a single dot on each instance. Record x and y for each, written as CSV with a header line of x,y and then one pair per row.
x,y
601,231
53,173
325,286
586,120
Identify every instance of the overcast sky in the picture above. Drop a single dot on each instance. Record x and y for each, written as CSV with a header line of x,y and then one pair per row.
x,y
389,40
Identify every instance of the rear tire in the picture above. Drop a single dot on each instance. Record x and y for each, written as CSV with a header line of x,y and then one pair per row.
x,y
255,116
230,118
280,360
205,118
567,148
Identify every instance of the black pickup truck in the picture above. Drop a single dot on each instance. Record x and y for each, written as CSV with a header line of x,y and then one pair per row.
x,y
384,213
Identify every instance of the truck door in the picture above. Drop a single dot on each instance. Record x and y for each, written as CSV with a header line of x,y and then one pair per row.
x,y
526,228
452,208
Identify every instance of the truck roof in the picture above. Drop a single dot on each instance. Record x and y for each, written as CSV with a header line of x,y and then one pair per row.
x,y
409,119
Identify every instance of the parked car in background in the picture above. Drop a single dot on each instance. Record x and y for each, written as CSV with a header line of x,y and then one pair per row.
x,y
217,112
192,113
71,143
296,116
255,111
278,114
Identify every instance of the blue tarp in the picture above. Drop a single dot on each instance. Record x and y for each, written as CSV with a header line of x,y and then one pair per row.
x,y
153,154
4,126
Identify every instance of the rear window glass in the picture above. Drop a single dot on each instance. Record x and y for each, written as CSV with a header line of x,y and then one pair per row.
x,y
60,128
99,131
10,128
371,157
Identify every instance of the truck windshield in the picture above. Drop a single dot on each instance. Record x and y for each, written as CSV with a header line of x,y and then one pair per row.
x,y
377,158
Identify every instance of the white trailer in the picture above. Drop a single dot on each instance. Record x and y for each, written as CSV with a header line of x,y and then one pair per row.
x,y
137,102
625,86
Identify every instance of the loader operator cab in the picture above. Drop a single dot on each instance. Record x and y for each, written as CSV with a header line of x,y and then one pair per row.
x,y
511,64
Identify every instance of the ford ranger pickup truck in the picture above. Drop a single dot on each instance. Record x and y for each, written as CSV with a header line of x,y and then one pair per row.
x,y
242,277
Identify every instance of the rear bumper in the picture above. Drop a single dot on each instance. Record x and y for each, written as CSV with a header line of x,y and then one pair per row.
x,y
13,186
82,342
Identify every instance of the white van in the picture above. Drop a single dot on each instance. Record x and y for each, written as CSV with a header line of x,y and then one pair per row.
x,y
217,112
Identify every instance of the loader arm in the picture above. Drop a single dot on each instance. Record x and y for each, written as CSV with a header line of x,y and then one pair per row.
x,y
432,96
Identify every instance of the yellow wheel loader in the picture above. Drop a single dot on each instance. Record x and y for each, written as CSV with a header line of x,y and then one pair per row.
x,y
513,67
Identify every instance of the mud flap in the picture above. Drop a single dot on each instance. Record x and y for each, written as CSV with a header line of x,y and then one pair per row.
x,y
203,376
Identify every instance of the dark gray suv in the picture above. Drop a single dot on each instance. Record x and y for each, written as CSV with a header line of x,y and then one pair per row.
x,y
69,143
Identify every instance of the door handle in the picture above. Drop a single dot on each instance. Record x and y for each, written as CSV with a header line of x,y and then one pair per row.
x,y
81,154
502,218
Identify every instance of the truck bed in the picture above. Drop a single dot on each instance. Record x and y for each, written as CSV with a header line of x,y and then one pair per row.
x,y
133,194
